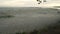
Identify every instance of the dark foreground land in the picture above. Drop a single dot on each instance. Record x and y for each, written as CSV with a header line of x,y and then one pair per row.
x,y
53,29
29,20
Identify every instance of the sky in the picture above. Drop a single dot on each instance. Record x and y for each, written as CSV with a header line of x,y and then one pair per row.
x,y
28,3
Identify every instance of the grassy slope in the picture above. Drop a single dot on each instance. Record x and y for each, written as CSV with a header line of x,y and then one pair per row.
x,y
55,29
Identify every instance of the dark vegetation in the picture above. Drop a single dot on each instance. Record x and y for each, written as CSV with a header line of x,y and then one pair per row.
x,y
6,16
53,29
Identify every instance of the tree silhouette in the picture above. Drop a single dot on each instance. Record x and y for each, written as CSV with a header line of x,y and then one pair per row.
x,y
40,1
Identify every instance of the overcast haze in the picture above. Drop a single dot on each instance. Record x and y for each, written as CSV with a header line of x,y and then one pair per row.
x,y
27,3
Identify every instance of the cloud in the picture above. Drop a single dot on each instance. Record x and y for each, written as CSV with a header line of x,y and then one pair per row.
x,y
25,3
17,3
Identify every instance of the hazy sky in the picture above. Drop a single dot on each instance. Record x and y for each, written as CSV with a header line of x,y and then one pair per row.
x,y
28,3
